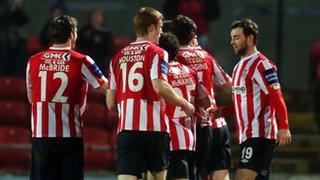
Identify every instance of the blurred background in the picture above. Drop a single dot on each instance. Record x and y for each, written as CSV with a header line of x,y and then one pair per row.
x,y
289,35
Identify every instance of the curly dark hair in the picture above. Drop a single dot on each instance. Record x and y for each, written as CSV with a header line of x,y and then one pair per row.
x,y
170,43
184,28
249,28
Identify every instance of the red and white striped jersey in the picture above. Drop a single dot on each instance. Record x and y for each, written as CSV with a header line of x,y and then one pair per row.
x,y
58,79
209,74
255,117
131,73
182,128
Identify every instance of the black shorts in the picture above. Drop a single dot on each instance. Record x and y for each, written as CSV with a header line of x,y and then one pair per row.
x,y
219,153
181,165
213,149
138,151
256,154
57,158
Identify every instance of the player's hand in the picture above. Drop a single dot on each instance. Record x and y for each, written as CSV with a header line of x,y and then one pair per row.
x,y
214,112
188,108
283,137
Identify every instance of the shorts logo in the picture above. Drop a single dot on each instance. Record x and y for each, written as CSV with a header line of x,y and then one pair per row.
x,y
239,89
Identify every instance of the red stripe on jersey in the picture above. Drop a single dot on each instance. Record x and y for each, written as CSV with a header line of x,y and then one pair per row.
x,y
249,97
273,125
45,119
72,125
185,132
136,114
58,111
35,119
174,136
124,115
163,119
150,124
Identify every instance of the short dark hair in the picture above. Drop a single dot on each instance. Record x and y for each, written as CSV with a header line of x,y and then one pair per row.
x,y
184,28
144,18
61,28
170,43
249,28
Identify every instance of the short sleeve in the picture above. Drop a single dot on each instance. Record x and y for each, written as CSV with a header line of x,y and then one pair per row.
x,y
92,73
266,76
159,66
112,79
220,77
28,82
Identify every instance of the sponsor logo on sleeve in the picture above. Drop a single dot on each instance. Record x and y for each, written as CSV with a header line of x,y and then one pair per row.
x,y
271,76
164,67
96,70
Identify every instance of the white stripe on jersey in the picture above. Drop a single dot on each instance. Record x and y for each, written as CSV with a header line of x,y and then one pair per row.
x,y
180,133
218,78
89,59
32,120
154,68
143,113
267,121
52,118
89,76
256,110
129,114
156,116
65,120
77,120
39,119
259,80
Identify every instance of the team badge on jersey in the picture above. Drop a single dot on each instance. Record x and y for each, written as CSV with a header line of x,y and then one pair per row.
x,y
96,70
271,76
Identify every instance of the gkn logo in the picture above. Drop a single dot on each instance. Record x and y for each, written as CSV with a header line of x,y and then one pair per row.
x,y
238,89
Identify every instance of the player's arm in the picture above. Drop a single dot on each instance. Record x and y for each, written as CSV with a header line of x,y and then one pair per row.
x,y
223,81
269,83
163,88
111,89
28,83
111,99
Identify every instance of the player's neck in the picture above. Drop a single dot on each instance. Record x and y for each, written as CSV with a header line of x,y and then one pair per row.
x,y
62,45
250,51
144,38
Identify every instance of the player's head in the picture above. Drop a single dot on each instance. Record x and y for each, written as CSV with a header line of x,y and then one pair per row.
x,y
244,35
170,43
185,29
64,29
148,23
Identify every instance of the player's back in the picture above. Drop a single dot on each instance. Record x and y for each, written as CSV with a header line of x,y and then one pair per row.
x,y
209,74
182,128
131,73
58,79
200,61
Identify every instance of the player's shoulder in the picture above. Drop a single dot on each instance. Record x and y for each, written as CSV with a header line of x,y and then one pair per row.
x,y
36,56
77,55
264,62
